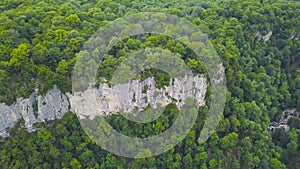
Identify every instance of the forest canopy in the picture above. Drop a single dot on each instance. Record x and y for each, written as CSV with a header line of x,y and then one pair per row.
x,y
39,45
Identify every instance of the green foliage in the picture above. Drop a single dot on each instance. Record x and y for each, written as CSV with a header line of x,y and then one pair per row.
x,y
39,41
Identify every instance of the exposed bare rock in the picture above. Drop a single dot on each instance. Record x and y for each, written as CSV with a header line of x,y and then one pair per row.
x,y
295,35
126,97
265,37
52,106
8,118
105,100
258,34
283,123
33,109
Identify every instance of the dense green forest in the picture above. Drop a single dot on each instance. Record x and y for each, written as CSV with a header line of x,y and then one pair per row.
x,y
39,42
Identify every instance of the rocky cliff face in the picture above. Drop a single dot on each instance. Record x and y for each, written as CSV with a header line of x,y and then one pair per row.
x,y
102,101
34,109
137,95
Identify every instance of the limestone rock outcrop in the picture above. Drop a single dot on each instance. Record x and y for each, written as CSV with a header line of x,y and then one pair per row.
x,y
265,37
283,123
34,109
129,96
104,100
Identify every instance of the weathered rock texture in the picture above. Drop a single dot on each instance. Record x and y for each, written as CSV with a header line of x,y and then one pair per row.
x,y
283,123
33,109
126,97
265,37
102,101
295,35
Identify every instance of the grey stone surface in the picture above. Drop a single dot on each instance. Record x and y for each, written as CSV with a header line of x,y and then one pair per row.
x,y
283,123
52,106
102,101
49,107
129,96
265,37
